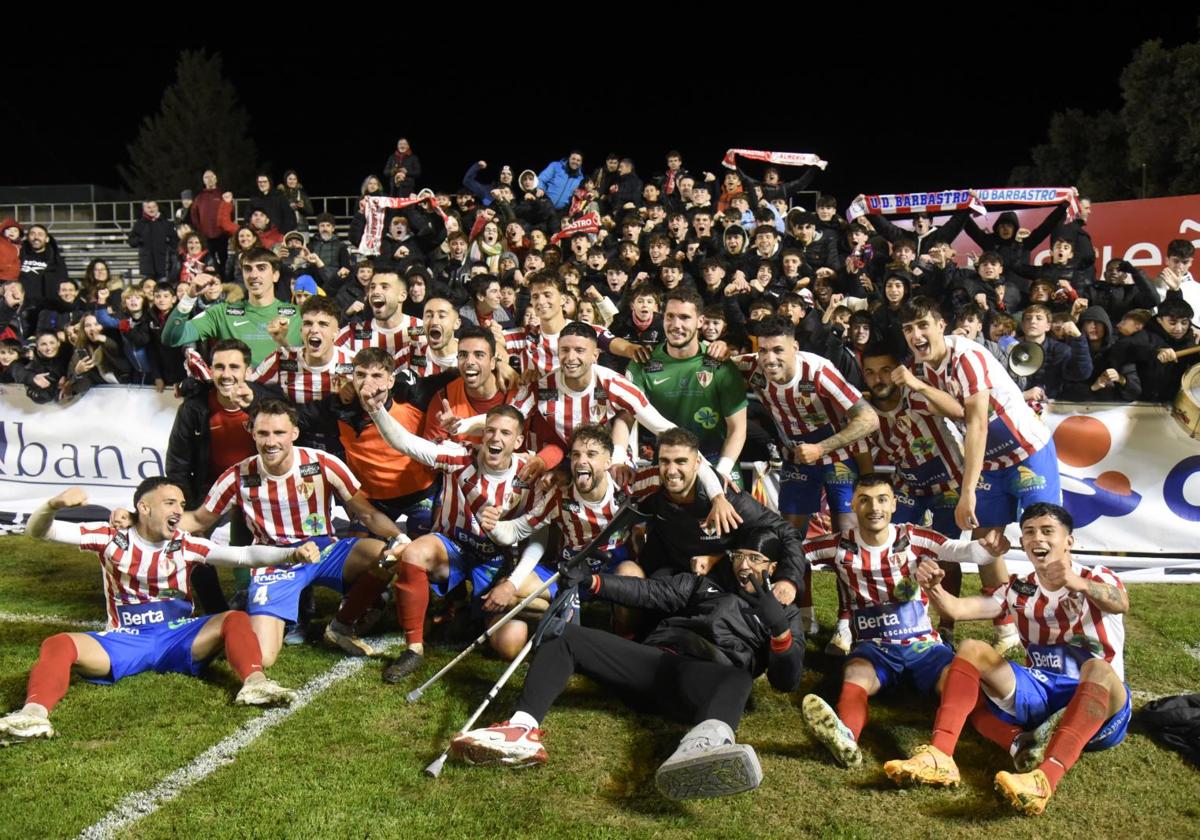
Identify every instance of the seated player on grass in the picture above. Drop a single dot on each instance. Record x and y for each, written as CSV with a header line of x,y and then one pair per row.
x,y
1071,622
698,665
146,570
876,564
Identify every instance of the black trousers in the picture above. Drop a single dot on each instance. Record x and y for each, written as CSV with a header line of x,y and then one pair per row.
x,y
690,690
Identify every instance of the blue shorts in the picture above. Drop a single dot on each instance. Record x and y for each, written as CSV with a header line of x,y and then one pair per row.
x,y
1002,494
1042,693
164,651
482,571
912,509
800,487
921,662
275,590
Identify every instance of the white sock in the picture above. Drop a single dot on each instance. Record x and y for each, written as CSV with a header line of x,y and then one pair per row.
x,y
1005,631
843,625
35,709
523,719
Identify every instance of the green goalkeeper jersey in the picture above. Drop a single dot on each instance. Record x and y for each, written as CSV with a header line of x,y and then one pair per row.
x,y
240,320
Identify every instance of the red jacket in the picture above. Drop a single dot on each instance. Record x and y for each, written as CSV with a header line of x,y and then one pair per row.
x,y
206,213
10,252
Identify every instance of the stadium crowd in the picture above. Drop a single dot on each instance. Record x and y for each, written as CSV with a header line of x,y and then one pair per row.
x,y
537,348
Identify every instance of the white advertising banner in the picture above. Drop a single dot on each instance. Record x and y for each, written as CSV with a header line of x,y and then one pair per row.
x,y
106,442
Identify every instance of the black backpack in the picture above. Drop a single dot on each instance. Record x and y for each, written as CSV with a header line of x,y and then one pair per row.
x,y
1175,722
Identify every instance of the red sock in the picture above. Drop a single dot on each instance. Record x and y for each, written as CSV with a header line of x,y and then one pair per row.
x,y
806,595
1004,618
852,707
1085,714
412,601
991,727
51,674
241,645
364,592
958,700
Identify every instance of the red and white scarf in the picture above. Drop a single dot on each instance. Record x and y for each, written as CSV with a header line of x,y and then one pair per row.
x,y
375,207
949,201
584,224
777,158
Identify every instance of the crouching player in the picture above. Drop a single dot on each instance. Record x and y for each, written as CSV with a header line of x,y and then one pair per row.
x,y
876,564
698,665
1070,621
146,570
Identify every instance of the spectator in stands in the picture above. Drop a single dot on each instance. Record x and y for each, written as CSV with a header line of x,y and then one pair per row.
x,y
1081,240
12,366
297,199
205,218
1070,282
1121,288
191,260
129,320
969,323
1114,371
273,203
264,228
1068,361
403,158
328,255
184,211
1171,331
165,361
61,310
561,178
46,373
245,240
1176,275
10,249
484,308
17,321
98,359
154,238
1003,239
42,266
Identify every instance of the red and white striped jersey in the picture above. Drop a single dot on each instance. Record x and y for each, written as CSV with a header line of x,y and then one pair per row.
x,y
1014,431
1061,630
139,572
289,508
876,577
922,447
539,351
369,333
469,488
810,408
287,369
609,394
580,520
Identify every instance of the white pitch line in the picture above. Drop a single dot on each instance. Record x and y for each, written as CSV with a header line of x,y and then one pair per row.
x,y
17,618
142,804
1193,651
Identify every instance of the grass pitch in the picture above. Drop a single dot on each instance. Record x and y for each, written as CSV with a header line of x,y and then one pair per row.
x,y
350,763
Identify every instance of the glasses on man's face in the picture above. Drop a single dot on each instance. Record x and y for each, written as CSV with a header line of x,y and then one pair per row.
x,y
748,557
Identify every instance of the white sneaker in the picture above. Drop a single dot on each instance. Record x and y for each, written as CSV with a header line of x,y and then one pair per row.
x,y
709,763
264,692
1008,641
511,745
840,642
828,728
339,634
22,726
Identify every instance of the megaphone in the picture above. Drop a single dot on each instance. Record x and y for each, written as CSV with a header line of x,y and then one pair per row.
x,y
1025,358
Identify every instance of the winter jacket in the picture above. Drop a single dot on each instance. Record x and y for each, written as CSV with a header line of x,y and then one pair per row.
x,y
41,272
155,241
1010,250
1065,362
1111,353
206,213
10,252
946,233
275,204
559,182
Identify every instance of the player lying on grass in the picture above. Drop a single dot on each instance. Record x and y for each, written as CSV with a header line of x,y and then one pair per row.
x,y
876,565
698,665
146,570
1070,621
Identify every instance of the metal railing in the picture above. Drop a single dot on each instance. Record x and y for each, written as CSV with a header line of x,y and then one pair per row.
x,y
97,230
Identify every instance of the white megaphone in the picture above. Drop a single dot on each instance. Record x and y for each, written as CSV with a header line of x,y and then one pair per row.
x,y
1025,358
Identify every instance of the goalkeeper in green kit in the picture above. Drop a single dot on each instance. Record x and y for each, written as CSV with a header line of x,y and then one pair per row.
x,y
693,391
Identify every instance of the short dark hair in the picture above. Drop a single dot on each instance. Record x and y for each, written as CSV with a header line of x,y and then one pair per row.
x,y
370,357
679,436
1049,509
990,257
1181,249
548,278
914,309
826,200
276,407
474,331
873,479
506,410
579,330
685,295
260,255
231,344
774,326
595,432
149,485
322,304
478,285
1175,308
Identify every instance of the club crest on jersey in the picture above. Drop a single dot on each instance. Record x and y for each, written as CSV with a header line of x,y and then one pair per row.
x,y
289,365
310,469
1023,587
704,377
305,489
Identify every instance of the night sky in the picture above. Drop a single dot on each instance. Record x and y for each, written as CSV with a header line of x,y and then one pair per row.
x,y
901,104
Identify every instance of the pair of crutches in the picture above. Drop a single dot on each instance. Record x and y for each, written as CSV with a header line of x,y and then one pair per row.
x,y
625,516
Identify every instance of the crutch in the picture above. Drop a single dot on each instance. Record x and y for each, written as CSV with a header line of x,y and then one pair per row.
x,y
415,695
435,769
